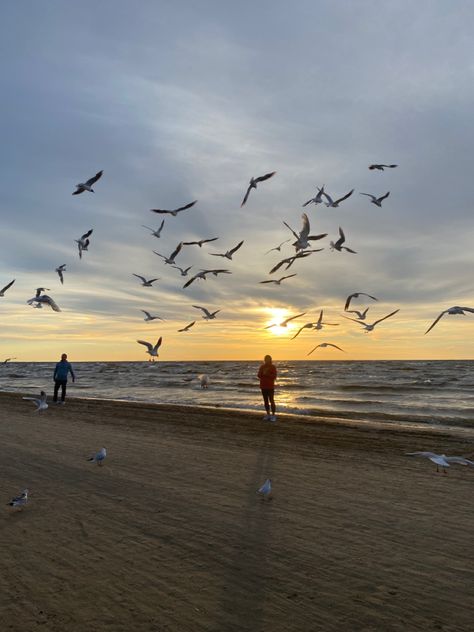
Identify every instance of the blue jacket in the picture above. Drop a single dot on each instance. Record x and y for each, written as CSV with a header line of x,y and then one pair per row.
x,y
61,371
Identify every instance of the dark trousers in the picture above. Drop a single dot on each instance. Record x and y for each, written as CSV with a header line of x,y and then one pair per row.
x,y
57,384
268,399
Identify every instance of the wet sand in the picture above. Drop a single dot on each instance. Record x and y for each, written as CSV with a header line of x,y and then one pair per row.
x,y
169,536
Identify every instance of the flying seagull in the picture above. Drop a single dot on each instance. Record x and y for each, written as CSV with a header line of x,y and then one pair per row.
x,y
360,315
43,300
318,199
60,271
307,326
377,200
7,286
335,203
199,242
265,491
151,350
285,322
175,211
442,459
87,186
173,255
303,239
278,281
452,311
7,360
278,247
369,327
83,242
253,184
188,327
207,314
338,244
229,253
382,167
20,500
319,325
325,344
149,317
40,402
290,260
356,295
145,283
98,457
184,272
157,232
202,275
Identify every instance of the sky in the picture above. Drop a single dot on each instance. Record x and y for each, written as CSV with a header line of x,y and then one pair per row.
x,y
183,100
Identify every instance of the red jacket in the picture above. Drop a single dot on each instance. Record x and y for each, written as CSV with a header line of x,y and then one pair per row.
x,y
267,374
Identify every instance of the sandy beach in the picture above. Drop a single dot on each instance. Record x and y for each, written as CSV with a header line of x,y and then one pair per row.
x,y
170,536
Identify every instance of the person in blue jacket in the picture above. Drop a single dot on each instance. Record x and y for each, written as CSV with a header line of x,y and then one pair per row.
x,y
60,377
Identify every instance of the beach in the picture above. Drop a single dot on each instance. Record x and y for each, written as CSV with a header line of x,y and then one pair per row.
x,y
169,535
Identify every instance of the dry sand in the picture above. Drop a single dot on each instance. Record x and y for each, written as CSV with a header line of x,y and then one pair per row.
x,y
170,536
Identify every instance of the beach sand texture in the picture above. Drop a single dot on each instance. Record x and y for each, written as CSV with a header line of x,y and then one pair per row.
x,y
170,535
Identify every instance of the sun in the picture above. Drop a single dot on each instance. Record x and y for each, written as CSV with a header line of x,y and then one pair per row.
x,y
278,315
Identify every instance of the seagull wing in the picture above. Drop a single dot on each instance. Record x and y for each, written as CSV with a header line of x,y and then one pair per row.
x,y
176,251
139,277
4,289
288,276
385,317
293,317
280,263
301,329
329,344
93,180
305,230
330,201
147,314
265,177
206,311
186,206
437,319
348,301
369,195
231,252
380,199
49,301
191,280
146,344
158,344
270,281
315,237
246,196
295,234
354,320
344,197
341,240
314,349
88,234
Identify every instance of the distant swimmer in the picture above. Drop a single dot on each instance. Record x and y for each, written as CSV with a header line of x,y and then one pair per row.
x,y
267,374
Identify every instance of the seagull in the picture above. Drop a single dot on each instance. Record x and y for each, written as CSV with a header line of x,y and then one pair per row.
x,y
318,199
4,289
60,271
356,295
204,380
360,315
44,299
183,272
335,203
200,242
98,457
285,322
7,360
325,344
265,491
452,311
377,200
151,350
278,247
145,283
175,211
155,233
188,327
253,185
229,253
41,290
369,327
202,275
278,282
149,317
207,314
87,186
303,239
39,401
442,459
382,167
20,500
83,242
172,256
338,244
319,325
290,260
307,326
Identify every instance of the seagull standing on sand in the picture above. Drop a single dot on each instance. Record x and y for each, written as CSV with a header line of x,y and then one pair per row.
x,y
325,344
207,314
442,460
278,281
303,239
175,211
98,457
200,242
19,501
318,199
369,327
152,350
229,253
377,200
4,289
60,271
382,167
87,186
335,203
145,283
265,491
338,244
155,233
452,311
83,242
173,255
188,327
149,317
285,322
356,295
40,402
253,184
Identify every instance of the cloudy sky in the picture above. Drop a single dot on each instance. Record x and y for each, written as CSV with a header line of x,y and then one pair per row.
x,y
184,100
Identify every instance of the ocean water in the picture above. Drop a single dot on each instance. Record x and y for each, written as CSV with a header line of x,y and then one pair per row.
x,y
418,392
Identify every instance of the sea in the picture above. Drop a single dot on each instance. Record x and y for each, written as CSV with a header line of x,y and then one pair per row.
x,y
439,393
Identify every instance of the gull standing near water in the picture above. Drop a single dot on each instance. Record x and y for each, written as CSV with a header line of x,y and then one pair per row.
x,y
152,350
325,344
376,200
253,184
175,211
98,457
4,289
452,311
87,186
40,402
149,317
155,233
145,283
207,314
229,253
369,327
335,203
338,244
303,239
356,295
60,270
19,501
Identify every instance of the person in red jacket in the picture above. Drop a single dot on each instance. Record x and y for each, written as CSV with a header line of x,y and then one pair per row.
x,y
267,375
